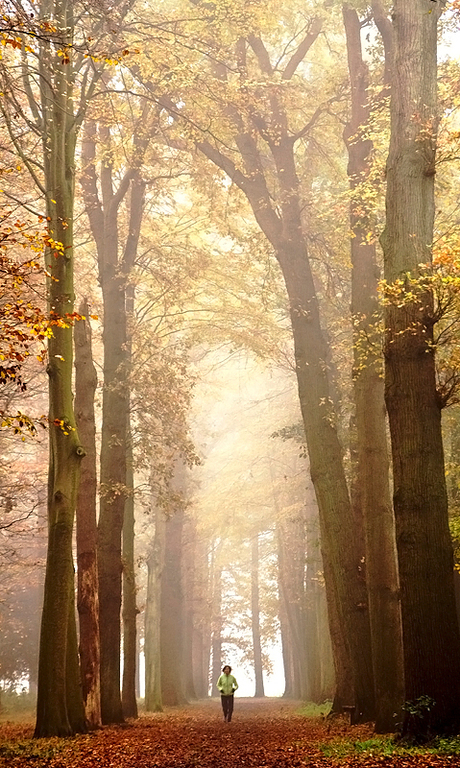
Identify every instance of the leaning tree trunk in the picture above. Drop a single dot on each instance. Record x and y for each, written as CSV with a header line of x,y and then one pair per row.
x,y
60,710
87,594
430,628
372,449
281,222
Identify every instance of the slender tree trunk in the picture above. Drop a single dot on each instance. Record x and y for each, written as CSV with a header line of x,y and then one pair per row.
x,y
191,619
155,564
291,567
88,600
201,645
172,615
216,624
255,619
372,449
430,628
60,710
314,573
130,611
286,639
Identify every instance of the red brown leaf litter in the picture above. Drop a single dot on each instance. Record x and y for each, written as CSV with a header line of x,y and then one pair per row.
x,y
264,733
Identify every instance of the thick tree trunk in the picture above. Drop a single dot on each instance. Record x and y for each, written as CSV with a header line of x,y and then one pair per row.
x,y
344,580
115,403
113,269
255,619
430,628
88,599
372,449
60,710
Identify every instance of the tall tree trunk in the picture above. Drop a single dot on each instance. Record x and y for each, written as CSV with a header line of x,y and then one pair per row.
x,y
88,599
60,710
155,564
201,645
291,570
113,274
430,629
172,615
372,449
216,623
314,643
191,618
255,619
115,404
286,642
129,611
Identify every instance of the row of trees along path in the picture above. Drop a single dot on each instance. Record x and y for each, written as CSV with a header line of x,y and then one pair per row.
x,y
264,733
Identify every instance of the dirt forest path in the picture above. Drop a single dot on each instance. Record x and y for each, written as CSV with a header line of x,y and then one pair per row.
x,y
265,734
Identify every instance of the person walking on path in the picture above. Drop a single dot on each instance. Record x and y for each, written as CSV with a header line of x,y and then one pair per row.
x,y
227,686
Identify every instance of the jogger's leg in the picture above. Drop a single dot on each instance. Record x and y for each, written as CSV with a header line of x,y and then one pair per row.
x,y
230,708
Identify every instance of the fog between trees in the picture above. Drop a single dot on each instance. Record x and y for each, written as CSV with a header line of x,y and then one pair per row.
x,y
230,277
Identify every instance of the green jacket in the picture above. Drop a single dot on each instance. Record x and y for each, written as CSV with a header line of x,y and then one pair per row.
x,y
227,684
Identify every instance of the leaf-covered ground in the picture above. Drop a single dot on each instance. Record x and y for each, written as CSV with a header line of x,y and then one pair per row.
x,y
263,734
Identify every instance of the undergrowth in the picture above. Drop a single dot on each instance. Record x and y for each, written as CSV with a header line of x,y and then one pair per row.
x,y
387,746
309,709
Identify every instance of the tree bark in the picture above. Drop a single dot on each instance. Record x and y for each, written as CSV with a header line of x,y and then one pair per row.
x,y
430,629
60,710
87,599
372,479
113,275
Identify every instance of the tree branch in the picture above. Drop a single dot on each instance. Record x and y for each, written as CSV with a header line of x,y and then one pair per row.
x,y
302,50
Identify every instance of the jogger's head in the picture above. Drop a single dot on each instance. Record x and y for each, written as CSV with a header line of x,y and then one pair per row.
x,y
226,670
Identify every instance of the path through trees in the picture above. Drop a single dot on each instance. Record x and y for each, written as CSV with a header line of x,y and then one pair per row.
x,y
264,733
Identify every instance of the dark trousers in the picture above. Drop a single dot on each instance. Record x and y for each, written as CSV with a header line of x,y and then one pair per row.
x,y
227,706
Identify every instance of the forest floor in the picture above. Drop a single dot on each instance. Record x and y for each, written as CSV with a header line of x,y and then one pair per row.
x,y
267,733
